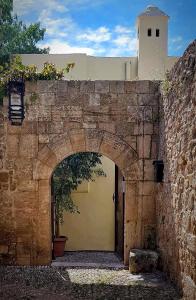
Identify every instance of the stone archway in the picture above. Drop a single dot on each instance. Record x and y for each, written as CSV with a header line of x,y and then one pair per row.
x,y
115,118
83,141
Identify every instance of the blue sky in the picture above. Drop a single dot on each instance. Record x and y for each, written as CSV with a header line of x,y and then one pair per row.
x,y
105,27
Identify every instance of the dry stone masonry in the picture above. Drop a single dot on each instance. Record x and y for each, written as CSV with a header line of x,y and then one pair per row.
x,y
119,119
176,205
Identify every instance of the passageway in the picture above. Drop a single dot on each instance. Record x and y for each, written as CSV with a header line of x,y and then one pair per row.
x,y
82,283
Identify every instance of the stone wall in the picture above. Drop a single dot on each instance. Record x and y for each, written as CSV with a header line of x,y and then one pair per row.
x,y
116,118
176,207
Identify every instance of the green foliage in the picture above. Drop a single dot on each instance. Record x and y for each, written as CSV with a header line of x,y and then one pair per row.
x,y
166,85
69,174
16,37
15,70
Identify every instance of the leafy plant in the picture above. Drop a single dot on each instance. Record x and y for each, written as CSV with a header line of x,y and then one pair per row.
x,y
15,36
16,70
68,175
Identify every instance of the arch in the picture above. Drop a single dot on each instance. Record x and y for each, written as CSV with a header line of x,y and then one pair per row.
x,y
87,140
84,140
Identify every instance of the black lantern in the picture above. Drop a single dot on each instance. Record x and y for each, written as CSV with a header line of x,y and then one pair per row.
x,y
158,170
16,90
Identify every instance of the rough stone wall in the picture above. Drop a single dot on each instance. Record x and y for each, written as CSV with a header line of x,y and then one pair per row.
x,y
176,207
116,118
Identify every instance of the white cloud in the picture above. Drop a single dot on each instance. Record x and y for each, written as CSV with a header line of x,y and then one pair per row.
x,y
177,39
122,29
176,43
54,26
124,43
59,47
23,7
64,35
98,35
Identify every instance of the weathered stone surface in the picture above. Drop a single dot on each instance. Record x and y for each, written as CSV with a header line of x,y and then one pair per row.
x,y
3,249
141,261
114,118
4,176
175,205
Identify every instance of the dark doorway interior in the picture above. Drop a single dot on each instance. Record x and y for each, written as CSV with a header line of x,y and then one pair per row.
x,y
119,212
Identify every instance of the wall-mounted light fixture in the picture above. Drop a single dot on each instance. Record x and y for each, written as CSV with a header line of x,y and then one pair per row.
x,y
16,89
158,170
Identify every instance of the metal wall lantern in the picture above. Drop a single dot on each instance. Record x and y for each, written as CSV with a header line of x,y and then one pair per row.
x,y
16,89
158,170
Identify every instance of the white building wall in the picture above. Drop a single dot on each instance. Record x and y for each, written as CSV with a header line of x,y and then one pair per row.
x,y
88,67
112,68
152,55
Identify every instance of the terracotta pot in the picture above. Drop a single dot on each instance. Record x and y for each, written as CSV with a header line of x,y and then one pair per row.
x,y
59,245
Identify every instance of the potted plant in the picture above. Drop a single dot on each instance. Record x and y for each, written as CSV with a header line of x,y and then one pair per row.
x,y
66,178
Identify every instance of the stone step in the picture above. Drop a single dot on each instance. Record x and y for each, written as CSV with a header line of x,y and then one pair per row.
x,y
141,261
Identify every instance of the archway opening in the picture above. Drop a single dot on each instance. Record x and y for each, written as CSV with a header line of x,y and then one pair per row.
x,y
89,188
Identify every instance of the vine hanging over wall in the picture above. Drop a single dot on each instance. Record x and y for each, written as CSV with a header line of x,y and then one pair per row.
x,y
16,70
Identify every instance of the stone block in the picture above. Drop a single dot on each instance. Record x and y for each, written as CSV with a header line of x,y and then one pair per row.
x,y
94,100
144,146
13,142
102,86
148,170
62,87
89,125
134,171
46,86
146,188
109,127
135,114
4,176
132,141
42,113
143,86
29,127
191,242
130,87
147,99
148,115
43,138
77,138
117,87
23,168
150,237
87,86
30,87
73,86
93,139
28,146
47,156
23,260
41,170
112,146
3,249
46,99
141,261
148,209
189,288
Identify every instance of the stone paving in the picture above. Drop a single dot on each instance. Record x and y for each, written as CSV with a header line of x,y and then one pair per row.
x,y
80,283
89,259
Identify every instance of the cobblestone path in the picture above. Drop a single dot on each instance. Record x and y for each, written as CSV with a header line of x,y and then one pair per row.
x,y
78,283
